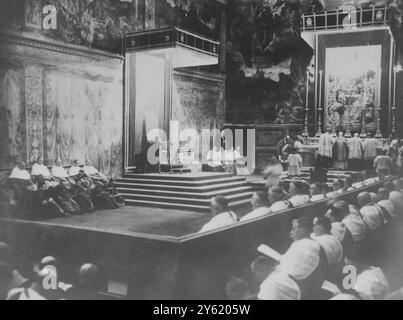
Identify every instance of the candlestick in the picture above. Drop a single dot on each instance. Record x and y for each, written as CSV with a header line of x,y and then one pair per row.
x,y
319,131
394,85
378,134
320,88
306,132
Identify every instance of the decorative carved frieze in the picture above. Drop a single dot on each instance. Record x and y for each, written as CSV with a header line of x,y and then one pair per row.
x,y
19,43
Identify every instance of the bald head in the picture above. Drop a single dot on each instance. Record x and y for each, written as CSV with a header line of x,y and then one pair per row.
x,y
364,199
219,205
88,275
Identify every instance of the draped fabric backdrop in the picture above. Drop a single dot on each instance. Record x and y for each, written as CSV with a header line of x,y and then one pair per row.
x,y
12,115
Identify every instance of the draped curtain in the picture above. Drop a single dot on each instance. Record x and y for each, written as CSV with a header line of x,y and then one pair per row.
x,y
12,129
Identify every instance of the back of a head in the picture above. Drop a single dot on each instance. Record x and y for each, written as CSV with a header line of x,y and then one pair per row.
x,y
300,187
342,206
324,223
348,181
277,193
339,210
374,197
88,275
261,196
363,199
222,203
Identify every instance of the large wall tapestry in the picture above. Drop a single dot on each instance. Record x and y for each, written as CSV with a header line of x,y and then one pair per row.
x,y
198,103
353,80
82,119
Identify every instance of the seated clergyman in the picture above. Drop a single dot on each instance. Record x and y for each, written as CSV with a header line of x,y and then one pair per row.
x,y
299,193
75,169
322,228
371,214
93,172
19,172
277,199
260,205
222,216
305,260
39,169
388,208
58,170
336,214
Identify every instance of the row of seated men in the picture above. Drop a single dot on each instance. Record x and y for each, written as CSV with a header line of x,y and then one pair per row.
x,y
283,197
45,281
346,236
44,193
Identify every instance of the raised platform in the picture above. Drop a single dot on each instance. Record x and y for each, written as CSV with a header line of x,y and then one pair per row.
x,y
189,191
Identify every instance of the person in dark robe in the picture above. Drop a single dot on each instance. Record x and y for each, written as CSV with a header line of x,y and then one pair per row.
x,y
340,153
66,201
319,173
102,198
44,202
82,191
88,286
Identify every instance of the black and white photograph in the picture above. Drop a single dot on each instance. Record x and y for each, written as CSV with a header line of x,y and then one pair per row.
x,y
230,152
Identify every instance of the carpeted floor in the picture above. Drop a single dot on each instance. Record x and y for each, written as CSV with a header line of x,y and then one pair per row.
x,y
126,220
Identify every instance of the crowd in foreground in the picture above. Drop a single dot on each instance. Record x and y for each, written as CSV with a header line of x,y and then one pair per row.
x,y
334,255
45,281
45,194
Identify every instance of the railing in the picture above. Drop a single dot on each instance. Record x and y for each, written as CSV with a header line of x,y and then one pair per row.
x,y
169,37
346,18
